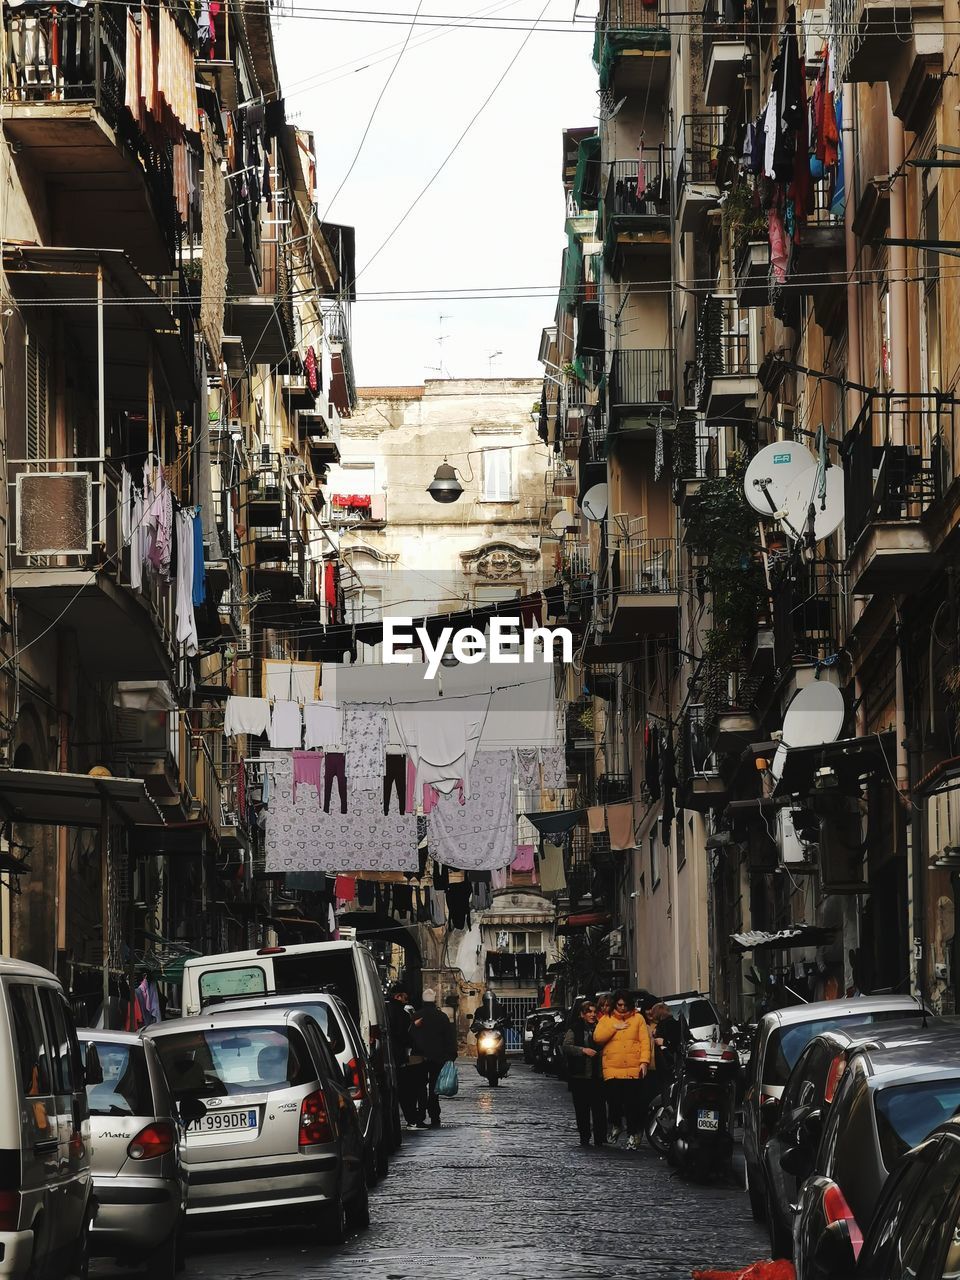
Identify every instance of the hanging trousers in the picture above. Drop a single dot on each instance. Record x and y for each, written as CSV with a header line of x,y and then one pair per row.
x,y
395,775
334,766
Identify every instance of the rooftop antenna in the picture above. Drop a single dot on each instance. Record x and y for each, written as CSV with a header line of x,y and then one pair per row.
x,y
494,355
440,340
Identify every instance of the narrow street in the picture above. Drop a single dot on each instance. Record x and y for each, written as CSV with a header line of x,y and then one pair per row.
x,y
503,1189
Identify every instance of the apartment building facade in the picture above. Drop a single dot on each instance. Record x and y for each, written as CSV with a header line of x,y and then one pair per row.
x,y
176,360
758,239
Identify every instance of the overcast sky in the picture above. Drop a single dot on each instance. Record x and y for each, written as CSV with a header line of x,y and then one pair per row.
x,y
494,216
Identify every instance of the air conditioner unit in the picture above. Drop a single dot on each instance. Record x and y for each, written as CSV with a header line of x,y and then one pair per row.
x,y
235,427
245,645
791,849
815,28
54,513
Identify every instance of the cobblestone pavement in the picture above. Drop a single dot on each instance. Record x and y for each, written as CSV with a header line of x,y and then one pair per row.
x,y
504,1190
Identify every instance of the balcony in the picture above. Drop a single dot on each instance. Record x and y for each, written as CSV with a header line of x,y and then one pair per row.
x,y
637,225
263,320
752,273
727,388
807,604
821,269
696,163
887,40
581,726
358,510
726,57
632,46
516,968
702,786
644,587
898,462
641,389
321,430
64,90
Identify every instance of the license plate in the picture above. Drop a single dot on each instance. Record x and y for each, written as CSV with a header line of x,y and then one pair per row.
x,y
708,1119
224,1122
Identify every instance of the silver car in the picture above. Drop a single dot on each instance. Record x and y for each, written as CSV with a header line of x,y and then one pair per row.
x,y
139,1183
270,1127
346,1044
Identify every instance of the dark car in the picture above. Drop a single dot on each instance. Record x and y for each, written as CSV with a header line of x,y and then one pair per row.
x,y
781,1037
790,1152
889,1100
915,1230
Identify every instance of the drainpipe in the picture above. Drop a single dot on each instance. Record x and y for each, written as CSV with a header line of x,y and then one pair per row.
x,y
854,366
897,271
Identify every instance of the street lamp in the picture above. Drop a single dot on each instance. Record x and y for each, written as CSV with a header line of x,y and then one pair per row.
x,y
445,487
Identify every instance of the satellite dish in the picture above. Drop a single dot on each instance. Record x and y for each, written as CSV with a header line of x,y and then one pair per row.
x,y
774,474
562,521
815,715
827,517
594,504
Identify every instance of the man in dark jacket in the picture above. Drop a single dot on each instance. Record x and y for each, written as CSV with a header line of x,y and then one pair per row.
x,y
408,1078
433,1041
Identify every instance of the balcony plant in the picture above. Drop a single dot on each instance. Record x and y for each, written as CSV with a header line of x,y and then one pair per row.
x,y
742,217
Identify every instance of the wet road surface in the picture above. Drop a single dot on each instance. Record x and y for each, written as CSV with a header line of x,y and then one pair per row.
x,y
504,1190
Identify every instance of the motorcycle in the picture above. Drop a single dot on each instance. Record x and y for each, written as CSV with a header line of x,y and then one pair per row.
x,y
492,1061
692,1121
548,1045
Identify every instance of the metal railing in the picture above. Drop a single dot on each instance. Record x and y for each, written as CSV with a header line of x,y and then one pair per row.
x,y
723,344
576,558
639,188
820,215
720,25
647,566
642,377
518,966
898,459
697,759
807,612
65,54
698,147
353,509
698,451
630,15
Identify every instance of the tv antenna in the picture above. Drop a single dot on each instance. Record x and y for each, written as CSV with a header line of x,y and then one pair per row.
x,y
494,355
440,339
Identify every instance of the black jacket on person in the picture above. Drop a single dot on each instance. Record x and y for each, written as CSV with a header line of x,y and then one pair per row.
x,y
579,1065
398,1023
435,1038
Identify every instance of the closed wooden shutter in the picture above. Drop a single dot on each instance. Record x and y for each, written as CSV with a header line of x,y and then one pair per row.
x,y
36,400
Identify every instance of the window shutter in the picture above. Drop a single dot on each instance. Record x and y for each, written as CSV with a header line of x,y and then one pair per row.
x,y
36,400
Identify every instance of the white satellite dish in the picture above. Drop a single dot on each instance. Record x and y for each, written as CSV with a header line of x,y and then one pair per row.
x,y
814,716
562,521
594,504
774,474
827,517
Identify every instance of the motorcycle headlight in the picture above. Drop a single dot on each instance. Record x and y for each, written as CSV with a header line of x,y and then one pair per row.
x,y
488,1040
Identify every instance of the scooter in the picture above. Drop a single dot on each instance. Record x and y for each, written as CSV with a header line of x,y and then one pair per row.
x,y
492,1061
692,1122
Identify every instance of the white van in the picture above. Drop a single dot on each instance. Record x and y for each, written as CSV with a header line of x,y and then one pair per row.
x,y
348,968
46,1188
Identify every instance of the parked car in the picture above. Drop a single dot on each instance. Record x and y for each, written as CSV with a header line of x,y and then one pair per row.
x,y
699,1012
531,1025
270,1127
889,1100
791,1149
46,1200
347,968
343,1036
915,1230
139,1182
781,1037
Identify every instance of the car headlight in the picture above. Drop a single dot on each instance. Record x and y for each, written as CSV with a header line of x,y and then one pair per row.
x,y
488,1040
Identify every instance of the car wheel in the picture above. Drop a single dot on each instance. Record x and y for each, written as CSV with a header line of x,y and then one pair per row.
x,y
383,1160
162,1262
757,1206
333,1222
80,1260
781,1244
358,1210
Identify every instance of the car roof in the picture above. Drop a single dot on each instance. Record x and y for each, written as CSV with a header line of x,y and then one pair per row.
x,y
274,1000
898,1062
795,1015
10,967
230,1018
108,1037
887,1033
269,953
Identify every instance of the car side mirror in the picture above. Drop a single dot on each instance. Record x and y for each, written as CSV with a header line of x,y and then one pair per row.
x,y
795,1161
810,1128
92,1066
834,1253
191,1109
769,1110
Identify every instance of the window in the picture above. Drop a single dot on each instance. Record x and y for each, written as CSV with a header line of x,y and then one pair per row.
x,y
654,861
234,1060
526,942
32,1062
250,980
125,1089
62,1040
498,475
907,1113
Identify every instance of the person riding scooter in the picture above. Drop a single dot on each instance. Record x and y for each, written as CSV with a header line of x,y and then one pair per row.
x,y
489,1026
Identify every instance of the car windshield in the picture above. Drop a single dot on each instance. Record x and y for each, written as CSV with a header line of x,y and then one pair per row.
x,y
326,1020
125,1089
233,1060
907,1113
786,1044
698,1013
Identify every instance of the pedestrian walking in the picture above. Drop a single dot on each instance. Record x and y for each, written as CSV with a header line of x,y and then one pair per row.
x,y
625,1041
584,1076
410,1080
433,1041
615,1123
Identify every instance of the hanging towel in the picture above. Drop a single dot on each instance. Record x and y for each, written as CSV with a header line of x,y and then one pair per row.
x,y
620,826
596,819
246,715
286,726
528,768
554,768
307,770
481,833
556,822
322,725
524,859
365,743
438,907
553,878
498,877
366,893
345,888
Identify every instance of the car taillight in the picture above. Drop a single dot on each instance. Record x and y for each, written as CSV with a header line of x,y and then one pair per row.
x,y
836,1209
155,1140
9,1210
837,1067
696,1053
355,1081
729,1055
315,1120
271,951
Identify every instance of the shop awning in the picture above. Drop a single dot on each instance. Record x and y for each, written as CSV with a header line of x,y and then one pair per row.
x,y
183,838
798,935
74,799
583,920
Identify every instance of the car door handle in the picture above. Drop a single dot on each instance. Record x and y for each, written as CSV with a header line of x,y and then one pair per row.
x,y
47,1144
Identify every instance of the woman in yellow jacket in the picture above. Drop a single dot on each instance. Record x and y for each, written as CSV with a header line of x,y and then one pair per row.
x,y
625,1040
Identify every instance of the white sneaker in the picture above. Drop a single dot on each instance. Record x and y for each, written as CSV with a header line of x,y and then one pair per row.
x,y
414,1127
633,1143
614,1135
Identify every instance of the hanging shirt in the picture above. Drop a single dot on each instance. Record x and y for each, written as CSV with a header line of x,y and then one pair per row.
x,y
246,715
186,619
286,725
199,563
